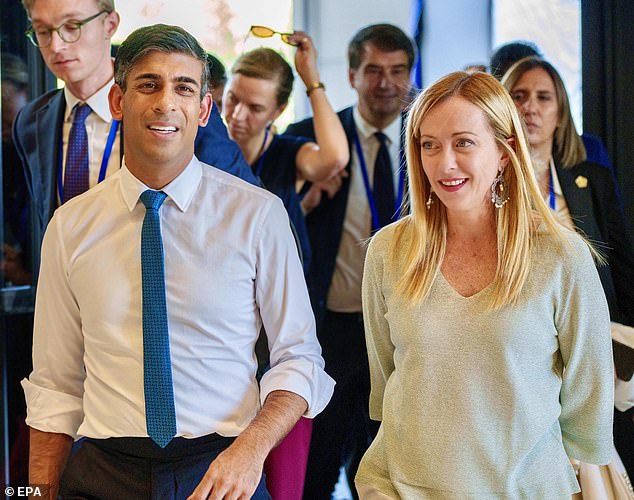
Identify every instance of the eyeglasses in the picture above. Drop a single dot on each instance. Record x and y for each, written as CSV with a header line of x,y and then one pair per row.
x,y
264,32
68,32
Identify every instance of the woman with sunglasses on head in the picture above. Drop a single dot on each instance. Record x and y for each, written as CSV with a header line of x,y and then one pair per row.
x,y
582,193
488,334
256,95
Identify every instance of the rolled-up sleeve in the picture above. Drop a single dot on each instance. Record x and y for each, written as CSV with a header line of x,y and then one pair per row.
x,y
587,393
54,388
295,354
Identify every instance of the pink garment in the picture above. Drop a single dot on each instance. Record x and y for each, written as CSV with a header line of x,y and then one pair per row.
x,y
285,467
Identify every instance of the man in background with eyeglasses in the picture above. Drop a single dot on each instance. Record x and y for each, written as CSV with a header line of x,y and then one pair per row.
x,y
65,147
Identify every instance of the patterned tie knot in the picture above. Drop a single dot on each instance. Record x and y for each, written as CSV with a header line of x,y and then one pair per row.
x,y
381,137
153,199
81,112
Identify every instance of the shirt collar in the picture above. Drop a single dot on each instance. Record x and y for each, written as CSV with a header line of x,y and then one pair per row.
x,y
98,102
365,130
181,190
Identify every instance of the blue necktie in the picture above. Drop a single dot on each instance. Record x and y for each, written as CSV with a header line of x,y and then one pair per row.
x,y
383,182
160,414
76,173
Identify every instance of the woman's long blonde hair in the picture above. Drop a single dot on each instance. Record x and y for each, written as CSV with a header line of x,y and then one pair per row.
x,y
424,247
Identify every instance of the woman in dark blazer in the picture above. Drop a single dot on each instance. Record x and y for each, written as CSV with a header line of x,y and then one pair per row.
x,y
582,193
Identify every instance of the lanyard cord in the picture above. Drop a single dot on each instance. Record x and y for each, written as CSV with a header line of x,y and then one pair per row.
x,y
260,163
368,190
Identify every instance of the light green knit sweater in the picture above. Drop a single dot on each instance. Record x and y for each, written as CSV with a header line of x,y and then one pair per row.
x,y
478,404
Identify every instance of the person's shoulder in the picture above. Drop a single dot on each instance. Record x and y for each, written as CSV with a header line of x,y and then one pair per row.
x,y
592,169
382,241
287,142
81,210
567,250
94,198
305,127
233,186
594,176
595,150
345,113
32,107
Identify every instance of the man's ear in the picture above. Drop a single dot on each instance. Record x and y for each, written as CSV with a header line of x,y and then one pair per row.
x,y
111,23
351,75
205,109
115,98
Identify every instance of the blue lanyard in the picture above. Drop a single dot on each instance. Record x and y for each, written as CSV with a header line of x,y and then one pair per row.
x,y
368,190
104,160
551,188
260,163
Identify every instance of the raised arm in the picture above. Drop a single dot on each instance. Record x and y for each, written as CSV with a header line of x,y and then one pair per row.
x,y
327,156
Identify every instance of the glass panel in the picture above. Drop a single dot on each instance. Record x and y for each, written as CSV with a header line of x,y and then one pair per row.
x,y
555,27
15,238
221,26
16,293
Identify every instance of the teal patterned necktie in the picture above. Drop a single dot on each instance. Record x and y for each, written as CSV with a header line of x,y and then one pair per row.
x,y
160,414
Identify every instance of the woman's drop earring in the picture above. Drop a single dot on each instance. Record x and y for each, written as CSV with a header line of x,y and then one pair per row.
x,y
429,201
498,196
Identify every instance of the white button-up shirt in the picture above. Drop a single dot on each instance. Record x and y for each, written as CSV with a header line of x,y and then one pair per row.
x,y
344,294
231,267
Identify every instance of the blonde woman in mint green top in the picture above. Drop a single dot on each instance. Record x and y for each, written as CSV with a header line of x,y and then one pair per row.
x,y
487,329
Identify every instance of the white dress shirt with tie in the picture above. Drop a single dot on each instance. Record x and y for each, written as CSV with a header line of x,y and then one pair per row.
x,y
231,266
98,125
344,294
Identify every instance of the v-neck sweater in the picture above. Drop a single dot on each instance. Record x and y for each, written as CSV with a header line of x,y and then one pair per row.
x,y
486,404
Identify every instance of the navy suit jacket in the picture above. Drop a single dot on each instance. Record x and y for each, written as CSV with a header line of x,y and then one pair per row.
x,y
592,200
325,222
36,133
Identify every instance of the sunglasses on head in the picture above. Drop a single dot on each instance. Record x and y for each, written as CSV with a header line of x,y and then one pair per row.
x,y
264,32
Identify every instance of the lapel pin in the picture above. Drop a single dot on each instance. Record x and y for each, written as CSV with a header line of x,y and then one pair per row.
x,y
581,182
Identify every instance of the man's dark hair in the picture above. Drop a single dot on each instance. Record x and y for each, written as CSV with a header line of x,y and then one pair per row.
x,y
385,37
159,38
217,72
508,54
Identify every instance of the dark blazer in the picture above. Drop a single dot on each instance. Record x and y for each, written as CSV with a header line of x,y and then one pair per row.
x,y
592,200
36,133
214,147
325,222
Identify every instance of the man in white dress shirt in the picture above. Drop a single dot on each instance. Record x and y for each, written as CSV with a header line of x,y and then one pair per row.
x,y
74,37
230,266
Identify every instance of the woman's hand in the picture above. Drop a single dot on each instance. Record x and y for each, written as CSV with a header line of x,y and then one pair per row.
x,y
330,187
305,57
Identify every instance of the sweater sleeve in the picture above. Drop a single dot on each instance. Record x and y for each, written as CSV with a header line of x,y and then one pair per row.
x,y
587,394
377,330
